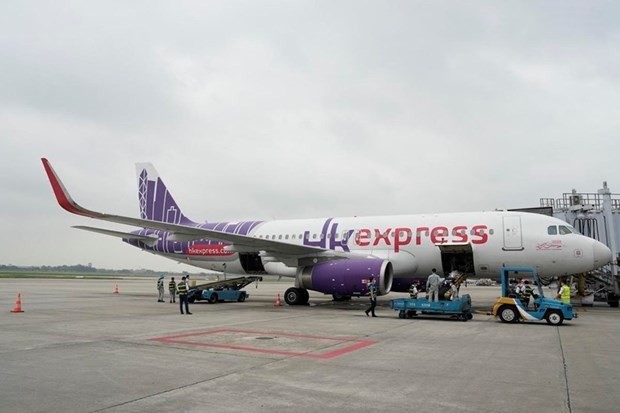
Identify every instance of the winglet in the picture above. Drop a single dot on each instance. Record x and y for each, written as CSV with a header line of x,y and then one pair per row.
x,y
62,195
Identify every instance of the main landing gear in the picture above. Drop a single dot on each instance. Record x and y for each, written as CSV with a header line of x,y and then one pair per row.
x,y
296,296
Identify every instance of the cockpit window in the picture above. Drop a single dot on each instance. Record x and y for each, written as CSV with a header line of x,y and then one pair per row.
x,y
552,230
565,230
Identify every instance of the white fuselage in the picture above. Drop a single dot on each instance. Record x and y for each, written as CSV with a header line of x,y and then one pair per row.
x,y
414,243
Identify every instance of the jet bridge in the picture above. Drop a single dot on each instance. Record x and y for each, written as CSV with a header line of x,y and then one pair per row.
x,y
596,215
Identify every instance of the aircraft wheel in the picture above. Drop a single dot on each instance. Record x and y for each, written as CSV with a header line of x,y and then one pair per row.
x,y
508,314
305,296
294,296
470,316
241,297
555,318
213,299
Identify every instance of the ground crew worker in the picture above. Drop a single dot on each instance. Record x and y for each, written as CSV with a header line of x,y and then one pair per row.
x,y
172,287
160,289
454,290
432,285
512,289
413,291
564,293
525,292
183,296
372,290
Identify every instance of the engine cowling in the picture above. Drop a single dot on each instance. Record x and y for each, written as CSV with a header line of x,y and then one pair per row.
x,y
347,277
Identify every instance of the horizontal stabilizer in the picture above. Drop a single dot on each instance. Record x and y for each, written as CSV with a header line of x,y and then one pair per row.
x,y
150,240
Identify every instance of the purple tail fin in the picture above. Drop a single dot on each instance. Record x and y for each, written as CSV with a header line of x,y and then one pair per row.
x,y
156,202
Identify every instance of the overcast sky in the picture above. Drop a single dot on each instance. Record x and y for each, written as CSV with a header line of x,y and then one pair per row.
x,y
297,109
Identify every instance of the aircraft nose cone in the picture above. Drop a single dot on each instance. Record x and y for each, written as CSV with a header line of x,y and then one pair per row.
x,y
602,255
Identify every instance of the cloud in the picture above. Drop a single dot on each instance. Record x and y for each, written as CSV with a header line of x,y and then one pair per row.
x,y
303,109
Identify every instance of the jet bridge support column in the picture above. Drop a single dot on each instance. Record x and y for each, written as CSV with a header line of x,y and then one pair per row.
x,y
610,231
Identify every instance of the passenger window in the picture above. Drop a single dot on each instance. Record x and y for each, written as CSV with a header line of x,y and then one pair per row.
x,y
552,230
491,231
564,230
280,236
313,236
286,237
293,236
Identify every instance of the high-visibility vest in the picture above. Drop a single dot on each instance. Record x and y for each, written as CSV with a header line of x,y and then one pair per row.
x,y
172,286
565,294
373,292
182,288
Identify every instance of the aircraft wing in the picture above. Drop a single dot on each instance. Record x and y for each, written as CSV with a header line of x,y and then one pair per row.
x,y
147,239
240,243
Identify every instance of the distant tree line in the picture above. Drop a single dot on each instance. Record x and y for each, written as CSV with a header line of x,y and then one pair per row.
x,y
84,269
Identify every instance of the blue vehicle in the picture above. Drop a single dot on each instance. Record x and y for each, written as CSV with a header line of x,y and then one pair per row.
x,y
223,294
222,290
513,305
459,308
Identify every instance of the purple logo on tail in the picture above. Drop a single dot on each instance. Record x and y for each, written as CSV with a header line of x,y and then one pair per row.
x,y
156,203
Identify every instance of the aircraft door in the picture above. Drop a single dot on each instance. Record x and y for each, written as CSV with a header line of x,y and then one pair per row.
x,y
513,240
459,257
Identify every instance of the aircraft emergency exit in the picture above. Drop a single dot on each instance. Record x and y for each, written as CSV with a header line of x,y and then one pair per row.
x,y
337,255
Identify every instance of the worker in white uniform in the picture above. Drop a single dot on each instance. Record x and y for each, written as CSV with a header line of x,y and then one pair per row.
x,y
432,285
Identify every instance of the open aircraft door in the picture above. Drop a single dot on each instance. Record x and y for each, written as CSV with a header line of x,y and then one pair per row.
x,y
458,257
513,239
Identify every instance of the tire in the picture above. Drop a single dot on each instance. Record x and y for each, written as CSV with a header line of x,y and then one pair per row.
x,y
241,297
191,300
555,318
305,296
508,314
401,314
213,299
470,316
293,296
410,314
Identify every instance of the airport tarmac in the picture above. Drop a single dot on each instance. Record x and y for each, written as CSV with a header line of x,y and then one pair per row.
x,y
78,347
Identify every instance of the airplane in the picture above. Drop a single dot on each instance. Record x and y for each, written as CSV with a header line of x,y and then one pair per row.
x,y
338,255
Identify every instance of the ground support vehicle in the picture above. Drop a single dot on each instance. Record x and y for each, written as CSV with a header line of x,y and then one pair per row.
x,y
459,308
217,295
222,290
511,307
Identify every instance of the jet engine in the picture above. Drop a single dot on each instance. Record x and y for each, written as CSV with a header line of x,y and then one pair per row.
x,y
341,278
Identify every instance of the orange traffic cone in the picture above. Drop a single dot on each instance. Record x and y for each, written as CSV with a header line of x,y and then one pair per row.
x,y
278,303
116,289
18,304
